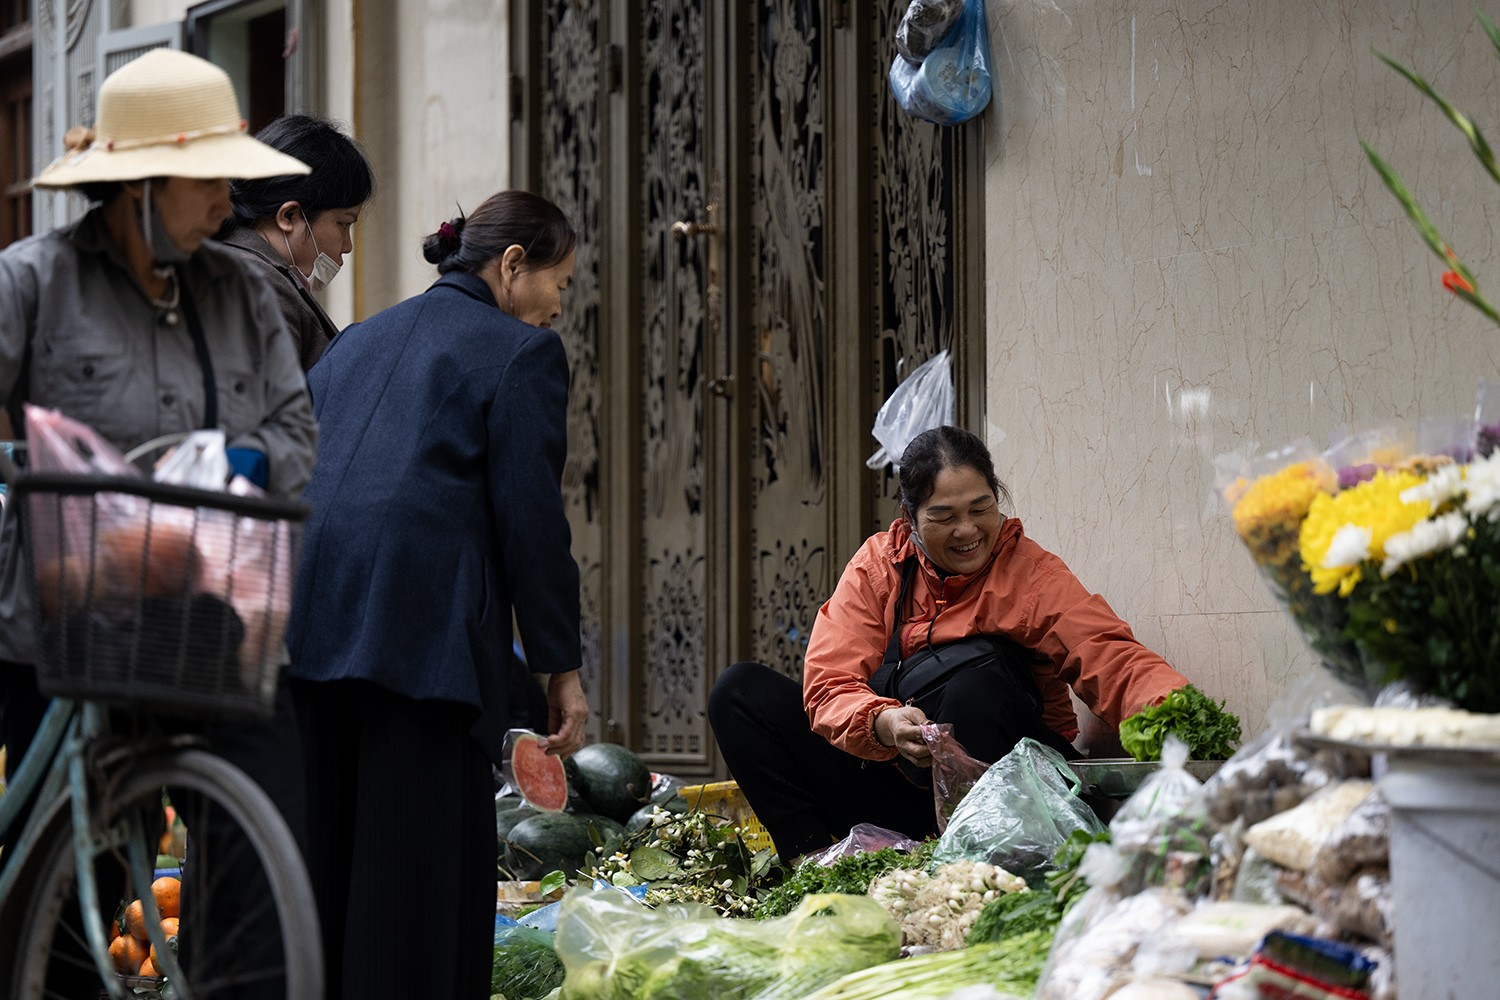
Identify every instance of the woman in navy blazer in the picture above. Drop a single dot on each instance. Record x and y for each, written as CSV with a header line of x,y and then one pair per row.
x,y
437,515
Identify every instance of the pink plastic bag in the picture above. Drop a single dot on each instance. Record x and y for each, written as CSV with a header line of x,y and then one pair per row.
x,y
954,772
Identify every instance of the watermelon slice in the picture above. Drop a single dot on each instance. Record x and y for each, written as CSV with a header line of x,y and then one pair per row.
x,y
539,777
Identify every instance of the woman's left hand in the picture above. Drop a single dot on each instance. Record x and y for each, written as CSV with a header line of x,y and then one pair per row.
x,y
567,712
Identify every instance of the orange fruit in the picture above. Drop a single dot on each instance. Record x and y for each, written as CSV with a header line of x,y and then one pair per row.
x,y
148,968
169,927
113,929
127,954
168,893
135,920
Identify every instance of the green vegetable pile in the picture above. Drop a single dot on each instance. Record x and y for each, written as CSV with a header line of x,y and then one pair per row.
x,y
1013,965
852,875
1210,732
526,967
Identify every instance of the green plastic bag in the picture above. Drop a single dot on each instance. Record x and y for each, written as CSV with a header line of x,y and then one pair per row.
x,y
614,948
1019,813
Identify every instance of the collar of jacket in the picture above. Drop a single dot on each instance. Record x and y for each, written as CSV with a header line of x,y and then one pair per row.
x,y
902,547
469,284
91,236
247,239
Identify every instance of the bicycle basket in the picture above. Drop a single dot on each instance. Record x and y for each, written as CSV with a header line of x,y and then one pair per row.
x,y
155,596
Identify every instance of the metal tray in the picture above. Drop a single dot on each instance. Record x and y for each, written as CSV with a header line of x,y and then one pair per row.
x,y
1119,777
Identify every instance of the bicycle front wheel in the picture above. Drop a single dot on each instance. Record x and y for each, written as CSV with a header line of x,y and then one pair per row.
x,y
249,928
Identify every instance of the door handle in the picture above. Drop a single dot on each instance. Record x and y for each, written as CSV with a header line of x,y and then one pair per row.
x,y
683,229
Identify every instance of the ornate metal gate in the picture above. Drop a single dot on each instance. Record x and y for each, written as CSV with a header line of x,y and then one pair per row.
x,y
767,248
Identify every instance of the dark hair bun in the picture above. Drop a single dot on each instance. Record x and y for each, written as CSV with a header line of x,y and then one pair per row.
x,y
445,242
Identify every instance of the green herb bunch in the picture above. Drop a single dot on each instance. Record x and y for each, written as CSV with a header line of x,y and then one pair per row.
x,y
852,875
692,857
1210,732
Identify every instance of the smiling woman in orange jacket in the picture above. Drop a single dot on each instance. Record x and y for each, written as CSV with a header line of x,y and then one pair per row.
x,y
968,570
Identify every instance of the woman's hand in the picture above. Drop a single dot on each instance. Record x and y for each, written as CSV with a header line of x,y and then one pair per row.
x,y
567,712
902,728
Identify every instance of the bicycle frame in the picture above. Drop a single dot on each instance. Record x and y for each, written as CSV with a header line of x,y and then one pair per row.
x,y
61,757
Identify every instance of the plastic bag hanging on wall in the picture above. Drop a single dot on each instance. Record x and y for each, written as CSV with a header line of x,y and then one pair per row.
x,y
951,83
922,402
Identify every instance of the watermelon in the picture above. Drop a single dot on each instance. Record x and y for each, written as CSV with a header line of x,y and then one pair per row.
x,y
506,819
547,842
611,779
539,777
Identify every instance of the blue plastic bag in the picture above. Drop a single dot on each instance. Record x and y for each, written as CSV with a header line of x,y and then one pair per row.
x,y
952,83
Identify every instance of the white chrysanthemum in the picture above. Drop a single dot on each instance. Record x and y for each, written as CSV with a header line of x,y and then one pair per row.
x,y
1483,487
1350,546
1425,537
1440,487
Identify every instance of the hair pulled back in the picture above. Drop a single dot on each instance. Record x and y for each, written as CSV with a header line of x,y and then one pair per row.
x,y
341,176
505,219
932,451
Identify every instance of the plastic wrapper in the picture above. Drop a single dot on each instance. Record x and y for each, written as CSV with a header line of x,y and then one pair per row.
x,y
923,26
954,772
1293,838
1362,840
1019,813
922,401
1163,832
862,839
1359,906
525,966
1233,930
952,82
1094,952
612,947
1487,419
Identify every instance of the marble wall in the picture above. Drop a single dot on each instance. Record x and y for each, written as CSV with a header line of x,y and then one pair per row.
x,y
1189,256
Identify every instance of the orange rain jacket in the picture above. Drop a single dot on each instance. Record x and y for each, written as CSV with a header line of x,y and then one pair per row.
x,y
1024,592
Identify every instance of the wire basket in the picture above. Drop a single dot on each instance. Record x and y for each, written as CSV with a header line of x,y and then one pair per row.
x,y
155,596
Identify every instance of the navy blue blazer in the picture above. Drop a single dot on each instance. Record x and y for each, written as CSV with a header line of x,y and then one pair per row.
x,y
437,505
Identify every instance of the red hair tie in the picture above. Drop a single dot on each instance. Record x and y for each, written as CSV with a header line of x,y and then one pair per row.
x,y
447,232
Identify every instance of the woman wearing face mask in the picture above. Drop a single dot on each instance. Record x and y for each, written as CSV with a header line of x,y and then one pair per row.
x,y
437,517
951,569
133,321
295,230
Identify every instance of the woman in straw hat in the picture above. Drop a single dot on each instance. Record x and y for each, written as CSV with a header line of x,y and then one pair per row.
x,y
129,321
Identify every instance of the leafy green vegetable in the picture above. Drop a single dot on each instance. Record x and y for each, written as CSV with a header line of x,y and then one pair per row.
x,y
1013,965
852,874
526,967
1013,914
1210,732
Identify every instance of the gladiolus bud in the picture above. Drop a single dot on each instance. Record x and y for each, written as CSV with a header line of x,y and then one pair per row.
x,y
1455,282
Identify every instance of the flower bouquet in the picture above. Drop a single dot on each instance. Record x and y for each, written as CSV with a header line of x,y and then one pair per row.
x,y
1390,566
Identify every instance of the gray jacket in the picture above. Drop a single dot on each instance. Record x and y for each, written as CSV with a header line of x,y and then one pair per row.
x,y
309,324
78,334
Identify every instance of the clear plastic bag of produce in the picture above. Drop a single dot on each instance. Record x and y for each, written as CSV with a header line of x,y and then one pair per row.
x,y
1019,813
952,82
613,947
526,966
1163,832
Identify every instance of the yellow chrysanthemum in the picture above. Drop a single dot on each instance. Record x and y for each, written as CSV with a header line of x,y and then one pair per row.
x,y
1374,505
1268,511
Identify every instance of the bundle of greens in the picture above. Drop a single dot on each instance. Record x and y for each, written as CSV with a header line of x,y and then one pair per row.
x,y
1210,732
852,874
1011,966
526,967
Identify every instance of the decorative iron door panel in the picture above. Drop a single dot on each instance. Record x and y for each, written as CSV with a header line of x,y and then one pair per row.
x,y
766,250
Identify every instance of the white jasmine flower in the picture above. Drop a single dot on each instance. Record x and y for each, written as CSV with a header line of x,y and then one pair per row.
x,y
1350,547
1425,537
1483,487
1440,487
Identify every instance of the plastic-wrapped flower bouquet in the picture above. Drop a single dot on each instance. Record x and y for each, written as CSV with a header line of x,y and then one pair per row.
x,y
1391,568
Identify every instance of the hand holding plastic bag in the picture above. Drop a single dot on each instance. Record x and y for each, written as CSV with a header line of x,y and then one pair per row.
x,y
1019,813
954,772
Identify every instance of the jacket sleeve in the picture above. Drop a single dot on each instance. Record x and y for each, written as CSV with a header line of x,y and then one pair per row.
x,y
18,292
528,439
1094,651
848,642
288,433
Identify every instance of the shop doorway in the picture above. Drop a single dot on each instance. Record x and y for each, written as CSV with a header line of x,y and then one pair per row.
x,y
768,247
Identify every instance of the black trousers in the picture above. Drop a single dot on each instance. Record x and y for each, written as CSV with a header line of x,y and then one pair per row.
x,y
401,843
809,793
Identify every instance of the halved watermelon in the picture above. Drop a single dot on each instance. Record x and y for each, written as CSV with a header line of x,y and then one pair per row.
x,y
539,777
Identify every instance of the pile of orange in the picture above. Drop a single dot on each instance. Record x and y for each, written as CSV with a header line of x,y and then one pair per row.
x,y
132,950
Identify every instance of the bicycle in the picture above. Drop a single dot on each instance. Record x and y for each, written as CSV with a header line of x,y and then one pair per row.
x,y
121,644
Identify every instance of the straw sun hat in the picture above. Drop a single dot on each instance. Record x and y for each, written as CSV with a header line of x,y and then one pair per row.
x,y
168,114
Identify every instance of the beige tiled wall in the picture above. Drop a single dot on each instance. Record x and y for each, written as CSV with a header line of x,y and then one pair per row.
x,y
1188,255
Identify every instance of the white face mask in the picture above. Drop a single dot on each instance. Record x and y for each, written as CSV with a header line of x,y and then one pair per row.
x,y
324,268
